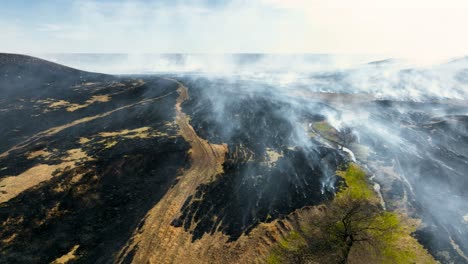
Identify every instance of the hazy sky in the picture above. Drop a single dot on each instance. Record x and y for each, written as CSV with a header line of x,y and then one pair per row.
x,y
415,28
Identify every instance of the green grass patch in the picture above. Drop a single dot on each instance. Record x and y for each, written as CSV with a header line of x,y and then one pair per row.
x,y
322,127
357,183
326,130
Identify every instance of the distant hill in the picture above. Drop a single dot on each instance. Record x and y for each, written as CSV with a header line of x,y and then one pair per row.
x,y
25,74
20,62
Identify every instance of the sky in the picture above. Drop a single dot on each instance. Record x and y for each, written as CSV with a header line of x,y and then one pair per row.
x,y
425,29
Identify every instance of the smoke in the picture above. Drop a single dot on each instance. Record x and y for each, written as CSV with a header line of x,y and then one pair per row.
x,y
424,145
357,74
413,121
260,66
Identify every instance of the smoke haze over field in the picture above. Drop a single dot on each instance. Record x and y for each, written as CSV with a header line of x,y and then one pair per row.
x,y
415,140
383,78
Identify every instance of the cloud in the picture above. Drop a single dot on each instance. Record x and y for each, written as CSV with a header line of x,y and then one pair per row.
x,y
50,27
423,29
367,4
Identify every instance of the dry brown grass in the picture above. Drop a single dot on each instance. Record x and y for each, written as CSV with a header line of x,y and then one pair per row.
x,y
272,156
53,104
12,186
67,257
142,132
94,99
39,153
9,239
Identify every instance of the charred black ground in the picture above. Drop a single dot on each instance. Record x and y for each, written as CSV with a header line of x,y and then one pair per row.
x,y
253,188
116,188
113,149
432,159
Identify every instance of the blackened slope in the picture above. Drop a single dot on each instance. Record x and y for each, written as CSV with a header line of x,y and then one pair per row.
x,y
98,203
30,86
434,162
22,75
156,241
25,63
99,212
32,121
247,194
255,186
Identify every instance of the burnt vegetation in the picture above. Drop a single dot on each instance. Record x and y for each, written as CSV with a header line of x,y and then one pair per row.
x,y
91,155
98,202
253,188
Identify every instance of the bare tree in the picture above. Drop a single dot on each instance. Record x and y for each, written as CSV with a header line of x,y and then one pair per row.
x,y
350,221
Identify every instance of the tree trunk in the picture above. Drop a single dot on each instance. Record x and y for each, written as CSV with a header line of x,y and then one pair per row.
x,y
348,244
